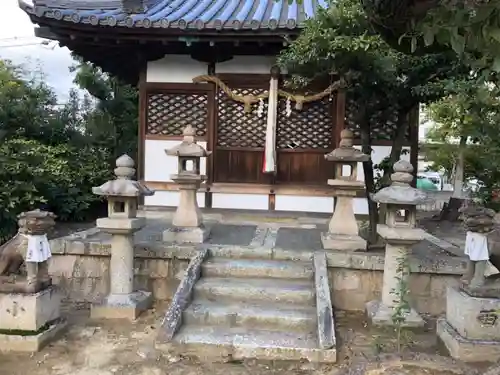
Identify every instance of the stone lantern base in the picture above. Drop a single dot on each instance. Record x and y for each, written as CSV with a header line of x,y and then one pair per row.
x,y
382,315
332,241
471,330
122,306
29,321
186,234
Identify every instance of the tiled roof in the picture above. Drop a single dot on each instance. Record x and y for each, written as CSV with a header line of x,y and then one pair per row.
x,y
181,14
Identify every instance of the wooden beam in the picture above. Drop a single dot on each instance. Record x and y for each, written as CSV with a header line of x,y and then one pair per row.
x,y
242,188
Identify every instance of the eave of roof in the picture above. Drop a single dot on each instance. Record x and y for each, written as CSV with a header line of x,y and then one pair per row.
x,y
215,15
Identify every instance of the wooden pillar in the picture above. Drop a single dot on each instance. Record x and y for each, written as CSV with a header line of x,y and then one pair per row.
x,y
141,136
211,136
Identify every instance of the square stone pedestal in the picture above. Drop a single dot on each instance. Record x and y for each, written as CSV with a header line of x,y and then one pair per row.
x,y
28,321
380,314
186,234
471,330
122,306
342,242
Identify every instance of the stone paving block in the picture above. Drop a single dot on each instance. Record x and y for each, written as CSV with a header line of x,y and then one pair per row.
x,y
299,239
235,235
31,344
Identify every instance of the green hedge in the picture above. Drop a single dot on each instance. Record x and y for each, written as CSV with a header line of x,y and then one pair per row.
x,y
59,178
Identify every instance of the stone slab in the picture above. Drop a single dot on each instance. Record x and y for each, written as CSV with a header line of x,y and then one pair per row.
x,y
490,288
298,238
173,317
186,234
31,344
258,268
400,235
232,235
464,349
324,311
265,316
473,317
29,312
239,343
342,242
381,315
120,225
128,306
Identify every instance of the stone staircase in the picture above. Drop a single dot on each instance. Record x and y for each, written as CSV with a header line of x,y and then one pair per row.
x,y
255,308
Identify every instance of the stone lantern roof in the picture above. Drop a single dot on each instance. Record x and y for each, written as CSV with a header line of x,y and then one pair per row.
x,y
123,185
188,147
346,152
400,192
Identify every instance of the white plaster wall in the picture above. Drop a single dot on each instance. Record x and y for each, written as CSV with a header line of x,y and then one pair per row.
x,y
158,165
175,69
246,65
170,199
304,203
182,69
240,201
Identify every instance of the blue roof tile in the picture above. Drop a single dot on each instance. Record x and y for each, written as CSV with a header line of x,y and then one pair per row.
x,y
181,14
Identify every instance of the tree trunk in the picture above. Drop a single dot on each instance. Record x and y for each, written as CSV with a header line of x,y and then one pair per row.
x,y
397,145
395,155
450,210
458,181
369,184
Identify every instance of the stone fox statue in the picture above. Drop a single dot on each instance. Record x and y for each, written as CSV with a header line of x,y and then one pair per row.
x,y
12,254
28,247
482,244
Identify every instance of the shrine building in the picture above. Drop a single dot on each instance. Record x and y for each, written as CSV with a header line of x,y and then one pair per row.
x,y
208,63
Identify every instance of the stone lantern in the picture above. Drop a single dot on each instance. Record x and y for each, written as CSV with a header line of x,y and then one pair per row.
x,y
187,223
400,234
122,222
343,231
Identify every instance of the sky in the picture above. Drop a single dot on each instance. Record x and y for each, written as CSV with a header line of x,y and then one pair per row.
x,y
19,44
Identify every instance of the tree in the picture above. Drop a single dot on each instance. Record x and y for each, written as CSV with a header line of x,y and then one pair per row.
x,y
46,155
340,41
111,121
469,27
28,108
465,136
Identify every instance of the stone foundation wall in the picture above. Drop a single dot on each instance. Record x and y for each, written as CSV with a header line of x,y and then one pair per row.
x,y
86,277
82,271
352,288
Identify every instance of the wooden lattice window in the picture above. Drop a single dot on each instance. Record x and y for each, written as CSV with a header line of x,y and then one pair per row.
x,y
309,128
237,128
383,127
168,113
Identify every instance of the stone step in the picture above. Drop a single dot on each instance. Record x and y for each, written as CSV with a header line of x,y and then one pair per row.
x,y
240,343
226,267
251,290
273,317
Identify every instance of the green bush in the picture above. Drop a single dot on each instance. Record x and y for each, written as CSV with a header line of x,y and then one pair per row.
x,y
59,178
